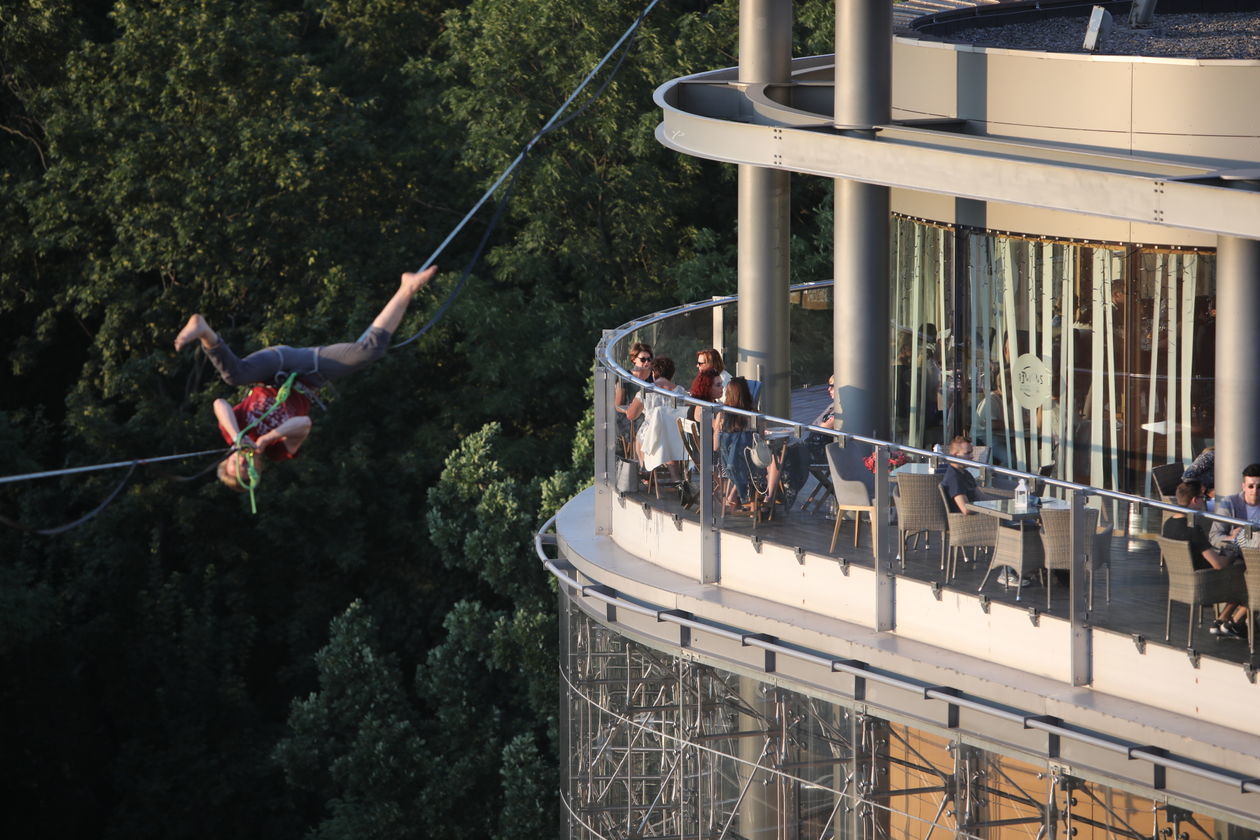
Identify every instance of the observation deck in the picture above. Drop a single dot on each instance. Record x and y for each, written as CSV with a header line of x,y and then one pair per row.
x,y
1096,692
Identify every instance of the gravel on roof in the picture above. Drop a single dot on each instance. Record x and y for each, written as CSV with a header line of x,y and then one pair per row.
x,y
1229,35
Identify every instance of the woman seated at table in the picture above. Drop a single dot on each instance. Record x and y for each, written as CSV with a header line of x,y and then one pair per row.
x,y
733,435
706,386
711,359
658,440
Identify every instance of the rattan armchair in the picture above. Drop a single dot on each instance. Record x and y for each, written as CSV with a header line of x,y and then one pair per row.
x,y
1056,545
1251,556
919,509
1197,587
966,531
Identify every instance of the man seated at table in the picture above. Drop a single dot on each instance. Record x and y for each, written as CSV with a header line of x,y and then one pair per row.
x,y
1179,527
1227,538
960,487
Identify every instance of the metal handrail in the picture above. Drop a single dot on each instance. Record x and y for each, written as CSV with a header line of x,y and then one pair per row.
x,y
613,337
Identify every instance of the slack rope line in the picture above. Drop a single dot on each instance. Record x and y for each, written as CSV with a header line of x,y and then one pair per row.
x,y
552,124
510,172
137,462
61,529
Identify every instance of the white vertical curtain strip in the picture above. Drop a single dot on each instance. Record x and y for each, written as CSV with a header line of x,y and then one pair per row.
x,y
1101,302
1051,411
1152,387
1168,269
1067,379
985,295
1187,263
978,301
1029,443
944,245
1115,268
917,339
1005,274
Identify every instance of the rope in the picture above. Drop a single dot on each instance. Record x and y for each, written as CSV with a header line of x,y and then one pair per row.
x,y
137,462
552,124
60,529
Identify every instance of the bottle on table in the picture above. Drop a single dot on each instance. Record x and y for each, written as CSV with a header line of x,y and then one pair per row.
x,y
1021,496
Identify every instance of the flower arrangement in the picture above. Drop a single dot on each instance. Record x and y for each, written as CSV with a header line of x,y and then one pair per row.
x,y
896,458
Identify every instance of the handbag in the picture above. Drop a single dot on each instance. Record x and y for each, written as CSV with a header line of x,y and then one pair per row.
x,y
760,453
627,478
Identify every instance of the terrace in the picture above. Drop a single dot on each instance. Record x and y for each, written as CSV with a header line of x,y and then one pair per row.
x,y
1117,646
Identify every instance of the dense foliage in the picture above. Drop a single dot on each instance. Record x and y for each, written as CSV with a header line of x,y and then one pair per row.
x,y
373,654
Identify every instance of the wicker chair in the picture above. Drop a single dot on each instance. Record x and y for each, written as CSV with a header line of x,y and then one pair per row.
x,y
1251,556
1020,549
1056,545
966,531
919,509
1197,587
851,495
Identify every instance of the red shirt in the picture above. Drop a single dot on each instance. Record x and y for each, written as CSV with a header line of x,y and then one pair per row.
x,y
255,405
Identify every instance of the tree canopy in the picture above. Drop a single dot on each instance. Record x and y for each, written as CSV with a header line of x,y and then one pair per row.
x,y
373,654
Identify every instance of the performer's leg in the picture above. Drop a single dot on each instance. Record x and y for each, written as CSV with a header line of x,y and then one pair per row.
x,y
391,316
260,366
338,360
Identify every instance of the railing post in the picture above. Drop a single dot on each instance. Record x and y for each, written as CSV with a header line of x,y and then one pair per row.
x,y
1081,653
885,581
710,537
605,440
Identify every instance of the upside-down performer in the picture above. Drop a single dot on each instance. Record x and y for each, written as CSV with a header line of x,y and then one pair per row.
x,y
275,433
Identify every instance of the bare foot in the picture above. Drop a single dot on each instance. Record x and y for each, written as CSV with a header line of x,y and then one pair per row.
x,y
192,331
413,282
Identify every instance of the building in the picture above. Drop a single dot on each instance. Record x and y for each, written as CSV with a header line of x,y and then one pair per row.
x,y
1071,243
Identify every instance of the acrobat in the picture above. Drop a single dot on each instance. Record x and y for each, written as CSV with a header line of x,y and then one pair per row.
x,y
276,433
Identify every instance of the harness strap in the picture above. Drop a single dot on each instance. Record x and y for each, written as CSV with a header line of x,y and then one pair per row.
x,y
251,481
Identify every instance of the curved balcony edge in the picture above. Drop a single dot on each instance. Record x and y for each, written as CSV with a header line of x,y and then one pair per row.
x,y
1122,739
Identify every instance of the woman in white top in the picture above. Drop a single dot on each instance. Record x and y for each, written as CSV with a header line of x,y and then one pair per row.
x,y
659,441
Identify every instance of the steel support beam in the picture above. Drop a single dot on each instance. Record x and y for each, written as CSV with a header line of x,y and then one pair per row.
x,y
765,57
1237,380
862,101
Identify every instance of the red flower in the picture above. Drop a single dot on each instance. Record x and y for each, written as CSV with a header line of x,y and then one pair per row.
x,y
896,458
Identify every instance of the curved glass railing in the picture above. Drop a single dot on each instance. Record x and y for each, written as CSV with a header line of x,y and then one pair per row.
x,y
1113,578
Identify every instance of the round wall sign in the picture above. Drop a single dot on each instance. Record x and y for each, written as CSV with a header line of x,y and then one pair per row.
x,y
1032,382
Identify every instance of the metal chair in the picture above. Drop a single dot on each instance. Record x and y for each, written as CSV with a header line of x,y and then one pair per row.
x,y
919,509
1056,545
851,495
966,531
1197,587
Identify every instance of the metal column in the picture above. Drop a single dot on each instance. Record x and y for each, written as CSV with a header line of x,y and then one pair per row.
x,y
765,53
863,100
1237,378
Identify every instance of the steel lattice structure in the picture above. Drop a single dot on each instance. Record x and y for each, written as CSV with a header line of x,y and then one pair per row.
x,y
663,746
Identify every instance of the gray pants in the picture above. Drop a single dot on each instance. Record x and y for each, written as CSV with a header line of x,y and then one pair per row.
x,y
315,366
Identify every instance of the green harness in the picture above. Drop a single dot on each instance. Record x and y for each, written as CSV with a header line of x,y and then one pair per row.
x,y
251,480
